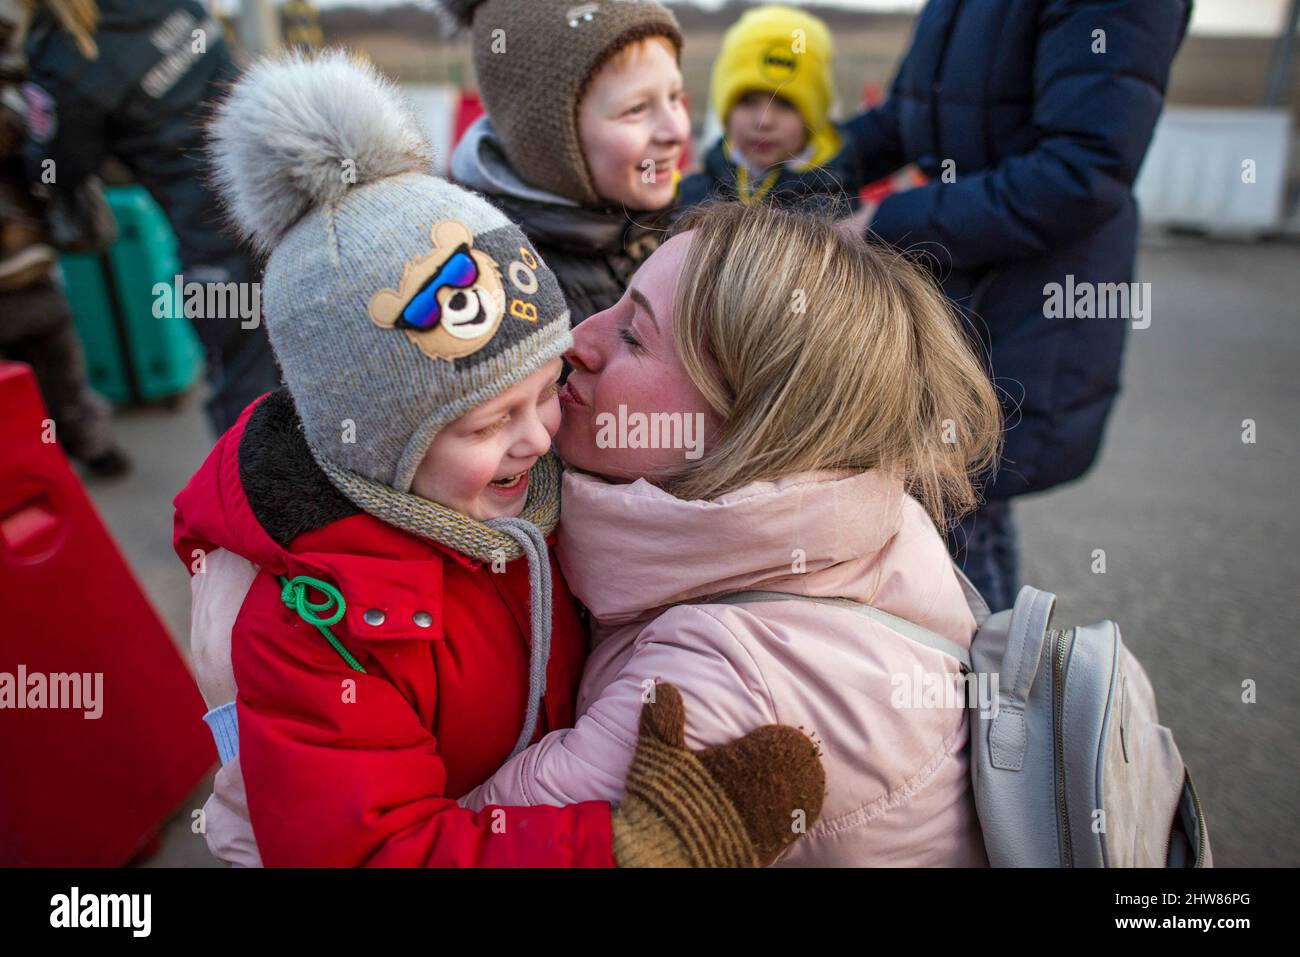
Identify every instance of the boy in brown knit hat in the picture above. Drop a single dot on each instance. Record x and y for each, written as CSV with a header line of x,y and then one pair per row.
x,y
584,130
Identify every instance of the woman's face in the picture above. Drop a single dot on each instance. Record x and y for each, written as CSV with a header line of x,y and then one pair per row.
x,y
627,376
633,126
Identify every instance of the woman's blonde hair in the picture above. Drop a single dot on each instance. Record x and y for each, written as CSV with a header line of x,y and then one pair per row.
x,y
820,350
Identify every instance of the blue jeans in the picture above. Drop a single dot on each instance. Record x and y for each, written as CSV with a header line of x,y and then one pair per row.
x,y
984,545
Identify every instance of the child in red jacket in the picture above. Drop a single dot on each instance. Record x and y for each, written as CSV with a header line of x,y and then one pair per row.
x,y
391,650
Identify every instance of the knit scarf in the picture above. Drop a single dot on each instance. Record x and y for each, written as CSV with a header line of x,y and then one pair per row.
x,y
443,525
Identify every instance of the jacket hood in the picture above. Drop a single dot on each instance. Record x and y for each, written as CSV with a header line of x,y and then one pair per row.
x,y
630,550
479,163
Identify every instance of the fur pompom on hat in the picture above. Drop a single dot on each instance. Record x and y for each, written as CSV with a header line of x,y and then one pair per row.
x,y
394,300
296,133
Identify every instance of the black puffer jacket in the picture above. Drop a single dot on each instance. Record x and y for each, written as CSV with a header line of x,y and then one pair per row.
x,y
593,252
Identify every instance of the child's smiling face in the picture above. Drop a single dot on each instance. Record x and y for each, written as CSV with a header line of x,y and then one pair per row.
x,y
632,120
478,464
766,128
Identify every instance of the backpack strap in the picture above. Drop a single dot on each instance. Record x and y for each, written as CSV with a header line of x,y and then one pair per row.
x,y
922,636
979,608
1009,735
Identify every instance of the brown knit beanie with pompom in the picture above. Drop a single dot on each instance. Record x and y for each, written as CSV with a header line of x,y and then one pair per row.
x,y
534,60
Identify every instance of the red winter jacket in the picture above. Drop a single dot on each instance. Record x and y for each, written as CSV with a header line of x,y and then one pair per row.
x,y
343,774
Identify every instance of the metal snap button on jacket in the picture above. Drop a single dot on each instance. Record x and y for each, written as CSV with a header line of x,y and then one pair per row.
x,y
373,616
422,618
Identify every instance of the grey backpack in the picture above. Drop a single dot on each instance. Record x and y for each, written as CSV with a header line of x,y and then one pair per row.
x,y
1070,766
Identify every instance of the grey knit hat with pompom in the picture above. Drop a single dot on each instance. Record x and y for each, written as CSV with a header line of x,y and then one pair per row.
x,y
395,301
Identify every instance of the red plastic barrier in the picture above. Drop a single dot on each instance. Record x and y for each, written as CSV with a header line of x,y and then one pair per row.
x,y
468,109
878,191
881,189
78,790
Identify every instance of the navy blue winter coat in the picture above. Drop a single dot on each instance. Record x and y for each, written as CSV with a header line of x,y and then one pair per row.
x,y
1046,135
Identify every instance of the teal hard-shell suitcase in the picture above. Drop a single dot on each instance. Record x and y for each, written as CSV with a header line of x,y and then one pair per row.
x,y
133,355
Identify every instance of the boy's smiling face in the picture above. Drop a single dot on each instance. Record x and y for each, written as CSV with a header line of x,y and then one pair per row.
x,y
632,119
478,464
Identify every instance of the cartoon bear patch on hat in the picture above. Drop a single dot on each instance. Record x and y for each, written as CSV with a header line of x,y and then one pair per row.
x,y
450,302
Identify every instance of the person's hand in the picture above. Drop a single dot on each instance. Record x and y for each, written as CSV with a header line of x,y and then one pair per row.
x,y
739,804
859,222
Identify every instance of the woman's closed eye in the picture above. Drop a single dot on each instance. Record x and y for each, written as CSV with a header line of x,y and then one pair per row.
x,y
625,333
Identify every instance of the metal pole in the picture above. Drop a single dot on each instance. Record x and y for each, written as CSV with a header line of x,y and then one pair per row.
x,y
1280,74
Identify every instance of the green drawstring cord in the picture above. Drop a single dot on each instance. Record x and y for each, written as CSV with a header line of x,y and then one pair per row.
x,y
293,592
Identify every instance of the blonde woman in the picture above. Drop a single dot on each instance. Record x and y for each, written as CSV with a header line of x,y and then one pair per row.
x,y
845,412
842,413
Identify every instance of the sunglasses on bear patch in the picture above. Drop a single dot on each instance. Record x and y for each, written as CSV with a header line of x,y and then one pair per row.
x,y
424,311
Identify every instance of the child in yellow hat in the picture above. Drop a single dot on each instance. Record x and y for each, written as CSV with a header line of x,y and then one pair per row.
x,y
772,89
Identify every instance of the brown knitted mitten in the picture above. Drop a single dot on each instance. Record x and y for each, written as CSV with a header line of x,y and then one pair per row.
x,y
735,805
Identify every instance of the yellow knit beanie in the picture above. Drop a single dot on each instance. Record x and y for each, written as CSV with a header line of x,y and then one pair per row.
x,y
779,49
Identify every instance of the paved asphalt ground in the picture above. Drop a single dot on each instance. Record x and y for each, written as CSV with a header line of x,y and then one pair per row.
x,y
1199,531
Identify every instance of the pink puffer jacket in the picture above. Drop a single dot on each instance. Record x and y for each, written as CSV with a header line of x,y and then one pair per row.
x,y
898,791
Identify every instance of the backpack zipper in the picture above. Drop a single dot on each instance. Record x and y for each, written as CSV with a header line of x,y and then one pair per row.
x,y
1200,822
1059,646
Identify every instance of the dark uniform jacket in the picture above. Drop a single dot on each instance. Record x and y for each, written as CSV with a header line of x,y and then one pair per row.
x,y
142,100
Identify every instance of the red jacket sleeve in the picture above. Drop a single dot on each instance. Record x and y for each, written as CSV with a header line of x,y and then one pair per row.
x,y
343,775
